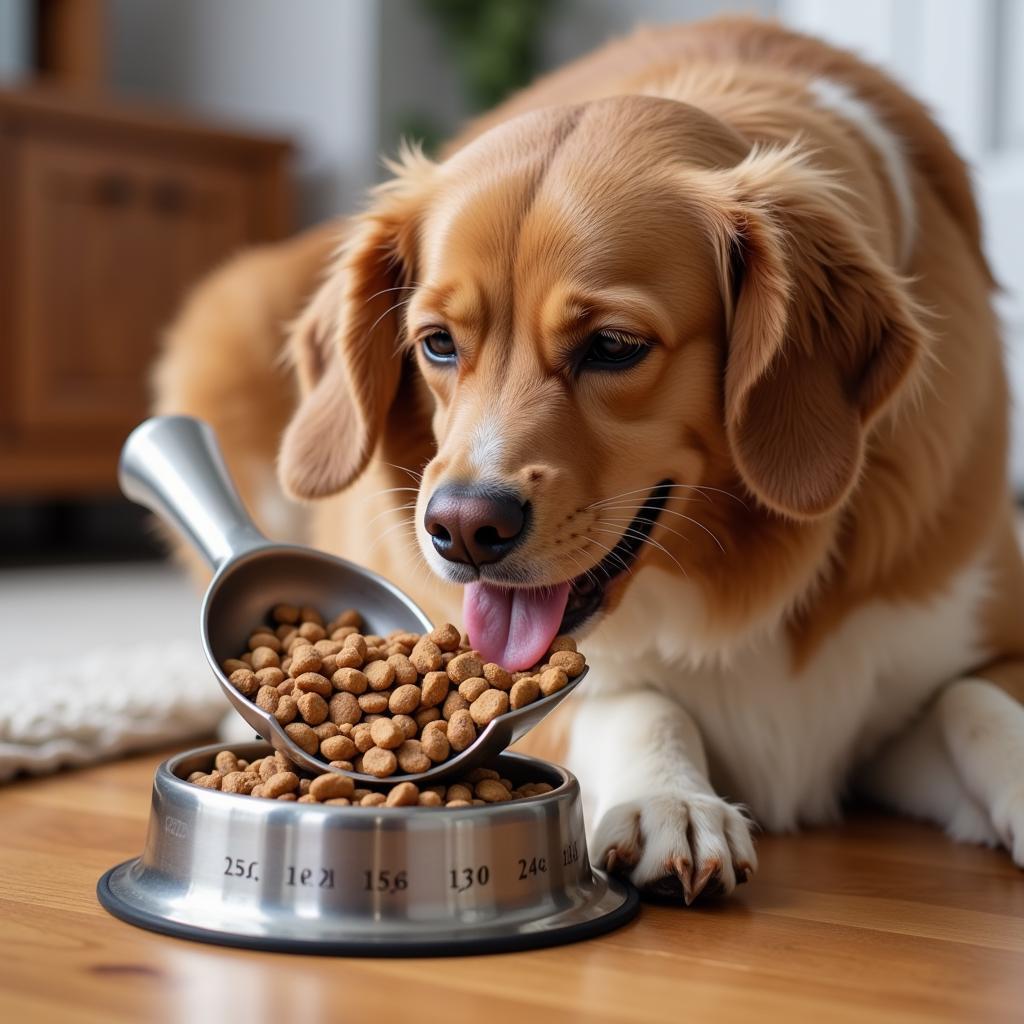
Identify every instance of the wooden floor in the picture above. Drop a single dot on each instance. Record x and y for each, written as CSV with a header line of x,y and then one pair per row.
x,y
879,920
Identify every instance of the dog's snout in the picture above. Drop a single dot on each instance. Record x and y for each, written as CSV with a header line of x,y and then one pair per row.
x,y
474,525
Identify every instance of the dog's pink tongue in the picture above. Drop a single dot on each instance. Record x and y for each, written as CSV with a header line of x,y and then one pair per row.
x,y
513,628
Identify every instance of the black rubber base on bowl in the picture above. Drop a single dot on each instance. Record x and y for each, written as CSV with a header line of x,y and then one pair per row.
x,y
470,946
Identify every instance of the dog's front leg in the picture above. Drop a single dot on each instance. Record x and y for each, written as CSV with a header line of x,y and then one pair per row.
x,y
653,813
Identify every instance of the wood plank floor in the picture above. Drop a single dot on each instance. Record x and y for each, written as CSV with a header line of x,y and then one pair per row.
x,y
880,919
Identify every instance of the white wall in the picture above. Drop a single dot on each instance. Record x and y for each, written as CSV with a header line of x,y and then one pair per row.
x,y
582,25
15,23
341,76
307,69
415,76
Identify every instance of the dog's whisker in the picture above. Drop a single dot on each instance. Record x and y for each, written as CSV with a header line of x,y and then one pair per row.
x,y
384,291
392,490
626,522
611,552
390,309
703,489
689,519
706,488
671,497
427,574
584,571
641,538
405,469
645,490
387,511
710,533
407,522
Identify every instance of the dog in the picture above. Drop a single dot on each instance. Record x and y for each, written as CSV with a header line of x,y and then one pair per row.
x,y
687,349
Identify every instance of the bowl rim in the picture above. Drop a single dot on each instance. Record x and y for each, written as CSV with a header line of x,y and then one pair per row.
x,y
167,776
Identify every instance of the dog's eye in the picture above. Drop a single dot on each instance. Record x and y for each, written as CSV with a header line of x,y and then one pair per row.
x,y
439,347
613,350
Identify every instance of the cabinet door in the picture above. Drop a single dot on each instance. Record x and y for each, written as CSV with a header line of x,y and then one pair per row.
x,y
108,241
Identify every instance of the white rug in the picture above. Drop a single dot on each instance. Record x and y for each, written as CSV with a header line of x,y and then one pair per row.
x,y
104,660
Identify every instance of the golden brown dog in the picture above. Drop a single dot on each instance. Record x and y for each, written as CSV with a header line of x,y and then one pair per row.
x,y
688,347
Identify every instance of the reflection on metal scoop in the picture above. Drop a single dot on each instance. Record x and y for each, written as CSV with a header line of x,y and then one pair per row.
x,y
173,466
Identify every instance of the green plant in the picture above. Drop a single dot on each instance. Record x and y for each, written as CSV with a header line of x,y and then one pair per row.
x,y
495,43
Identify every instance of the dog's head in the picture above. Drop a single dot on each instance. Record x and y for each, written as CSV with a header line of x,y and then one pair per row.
x,y
634,327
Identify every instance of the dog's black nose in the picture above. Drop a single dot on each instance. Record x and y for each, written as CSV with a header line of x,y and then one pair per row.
x,y
474,525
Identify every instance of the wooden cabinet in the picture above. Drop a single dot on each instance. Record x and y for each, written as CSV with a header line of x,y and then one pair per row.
x,y
106,218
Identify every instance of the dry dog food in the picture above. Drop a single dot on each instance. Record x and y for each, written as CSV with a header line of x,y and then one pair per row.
x,y
384,705
274,778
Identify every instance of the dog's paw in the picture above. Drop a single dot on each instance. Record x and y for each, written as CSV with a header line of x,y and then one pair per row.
x,y
1008,820
675,847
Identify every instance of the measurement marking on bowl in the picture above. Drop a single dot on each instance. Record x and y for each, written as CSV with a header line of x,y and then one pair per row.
x,y
176,827
239,867
385,881
462,879
309,877
390,881
532,867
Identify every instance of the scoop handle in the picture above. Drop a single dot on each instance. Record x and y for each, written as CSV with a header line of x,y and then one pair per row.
x,y
173,466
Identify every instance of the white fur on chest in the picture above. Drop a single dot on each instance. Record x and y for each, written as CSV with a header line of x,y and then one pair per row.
x,y
781,742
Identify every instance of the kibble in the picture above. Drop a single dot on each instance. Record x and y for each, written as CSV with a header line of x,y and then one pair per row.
x,y
265,657
288,709
386,734
488,706
552,680
473,687
407,724
491,790
405,794
404,699
523,692
330,787
461,730
338,748
270,677
279,783
379,674
435,745
379,762
312,707
464,666
245,681
274,778
304,736
382,704
412,758
571,663
313,682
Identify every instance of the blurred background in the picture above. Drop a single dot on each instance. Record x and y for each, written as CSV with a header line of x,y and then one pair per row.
x,y
143,141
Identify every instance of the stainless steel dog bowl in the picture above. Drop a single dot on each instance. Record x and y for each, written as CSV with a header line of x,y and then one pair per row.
x,y
365,881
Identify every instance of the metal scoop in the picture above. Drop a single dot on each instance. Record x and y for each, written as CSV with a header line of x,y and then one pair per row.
x,y
173,466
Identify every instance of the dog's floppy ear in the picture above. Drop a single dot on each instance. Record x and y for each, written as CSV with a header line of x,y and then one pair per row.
x,y
822,333
346,344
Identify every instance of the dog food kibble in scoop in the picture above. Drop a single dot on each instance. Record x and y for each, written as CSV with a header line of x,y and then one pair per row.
x,y
274,778
384,705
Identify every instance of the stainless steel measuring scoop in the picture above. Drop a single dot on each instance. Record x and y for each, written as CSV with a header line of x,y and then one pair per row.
x,y
172,465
